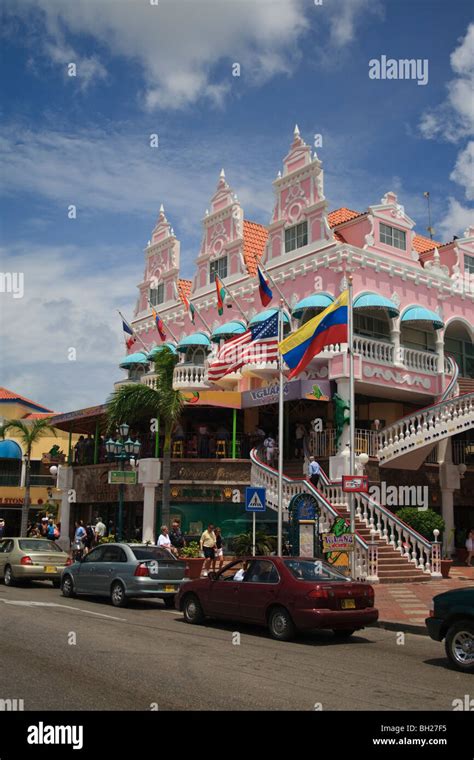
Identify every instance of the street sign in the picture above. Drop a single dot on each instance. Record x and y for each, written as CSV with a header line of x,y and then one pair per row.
x,y
255,499
355,483
127,477
343,543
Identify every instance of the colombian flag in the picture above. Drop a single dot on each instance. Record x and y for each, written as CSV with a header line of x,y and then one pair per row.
x,y
328,327
159,324
266,294
220,290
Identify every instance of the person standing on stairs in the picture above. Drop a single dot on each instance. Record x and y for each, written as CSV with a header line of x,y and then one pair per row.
x,y
314,471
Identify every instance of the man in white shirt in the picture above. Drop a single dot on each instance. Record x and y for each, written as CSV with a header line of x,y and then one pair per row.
x,y
99,530
314,471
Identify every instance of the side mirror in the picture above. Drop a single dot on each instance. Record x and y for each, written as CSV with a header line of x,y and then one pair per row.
x,y
212,576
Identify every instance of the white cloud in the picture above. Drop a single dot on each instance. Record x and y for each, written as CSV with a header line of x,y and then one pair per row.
x,y
463,172
344,17
456,219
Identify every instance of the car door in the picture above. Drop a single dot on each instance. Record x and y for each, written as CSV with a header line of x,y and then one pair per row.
x,y
223,593
258,589
111,565
6,547
86,576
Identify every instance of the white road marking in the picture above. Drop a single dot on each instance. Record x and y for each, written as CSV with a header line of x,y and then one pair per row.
x,y
19,603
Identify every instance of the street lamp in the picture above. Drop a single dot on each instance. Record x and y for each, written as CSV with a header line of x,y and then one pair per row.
x,y
123,450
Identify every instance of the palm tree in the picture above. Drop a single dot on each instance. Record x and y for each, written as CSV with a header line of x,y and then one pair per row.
x,y
28,434
137,403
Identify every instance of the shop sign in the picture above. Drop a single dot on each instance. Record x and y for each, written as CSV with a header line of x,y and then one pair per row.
x,y
126,477
344,543
355,483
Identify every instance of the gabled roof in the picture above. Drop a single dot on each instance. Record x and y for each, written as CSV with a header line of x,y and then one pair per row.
x,y
10,396
184,288
255,238
421,244
341,215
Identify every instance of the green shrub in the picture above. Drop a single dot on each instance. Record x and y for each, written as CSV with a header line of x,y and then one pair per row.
x,y
191,551
264,544
423,521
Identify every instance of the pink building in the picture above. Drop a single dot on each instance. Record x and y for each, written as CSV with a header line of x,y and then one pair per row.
x,y
413,314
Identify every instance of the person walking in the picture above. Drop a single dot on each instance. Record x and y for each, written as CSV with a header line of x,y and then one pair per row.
x,y
269,446
219,548
2,527
470,546
52,532
176,537
300,433
99,530
79,538
164,539
314,471
207,543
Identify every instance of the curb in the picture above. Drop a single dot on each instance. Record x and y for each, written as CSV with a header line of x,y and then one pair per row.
x,y
390,625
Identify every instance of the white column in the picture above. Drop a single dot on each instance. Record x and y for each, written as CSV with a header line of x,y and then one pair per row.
x,y
395,340
64,485
449,480
149,474
440,350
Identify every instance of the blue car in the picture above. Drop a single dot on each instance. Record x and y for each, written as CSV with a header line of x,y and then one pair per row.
x,y
123,571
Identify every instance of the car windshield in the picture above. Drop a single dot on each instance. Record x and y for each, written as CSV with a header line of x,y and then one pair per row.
x,y
38,545
313,570
151,552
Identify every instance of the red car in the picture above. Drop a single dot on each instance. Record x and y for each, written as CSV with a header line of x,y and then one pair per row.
x,y
287,594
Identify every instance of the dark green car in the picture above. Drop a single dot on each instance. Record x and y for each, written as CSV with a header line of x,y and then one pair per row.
x,y
452,619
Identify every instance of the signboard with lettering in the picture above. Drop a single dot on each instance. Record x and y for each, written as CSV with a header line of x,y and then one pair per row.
x,y
343,543
355,483
126,477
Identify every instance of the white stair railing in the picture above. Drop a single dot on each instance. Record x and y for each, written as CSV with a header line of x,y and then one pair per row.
x,y
425,426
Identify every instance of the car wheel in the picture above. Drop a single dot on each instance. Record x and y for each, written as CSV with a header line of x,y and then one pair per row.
x,y
280,624
169,602
192,610
68,587
8,577
459,646
117,595
56,584
344,633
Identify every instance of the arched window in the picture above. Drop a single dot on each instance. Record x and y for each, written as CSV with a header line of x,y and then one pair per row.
x,y
458,343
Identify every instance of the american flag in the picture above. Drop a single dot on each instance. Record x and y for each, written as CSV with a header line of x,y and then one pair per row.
x,y
258,343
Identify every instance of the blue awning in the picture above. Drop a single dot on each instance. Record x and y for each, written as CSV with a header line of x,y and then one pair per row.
x,y
374,301
9,450
314,301
195,339
229,328
263,315
419,315
137,358
156,349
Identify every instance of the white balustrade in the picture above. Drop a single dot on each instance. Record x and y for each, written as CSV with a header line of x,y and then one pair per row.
x,y
189,376
423,361
376,350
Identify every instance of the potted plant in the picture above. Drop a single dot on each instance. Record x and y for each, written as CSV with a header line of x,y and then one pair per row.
x,y
446,563
263,544
194,562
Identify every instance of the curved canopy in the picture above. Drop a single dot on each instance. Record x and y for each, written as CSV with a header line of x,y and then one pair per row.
x,y
137,358
156,349
263,315
229,328
314,301
195,339
9,450
421,315
374,301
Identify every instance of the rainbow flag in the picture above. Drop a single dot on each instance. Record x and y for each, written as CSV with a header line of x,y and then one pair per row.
x,y
266,294
220,290
328,327
159,324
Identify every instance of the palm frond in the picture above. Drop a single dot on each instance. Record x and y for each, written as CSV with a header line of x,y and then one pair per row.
x,y
132,403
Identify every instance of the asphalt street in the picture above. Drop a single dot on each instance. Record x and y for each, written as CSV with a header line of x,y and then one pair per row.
x,y
84,654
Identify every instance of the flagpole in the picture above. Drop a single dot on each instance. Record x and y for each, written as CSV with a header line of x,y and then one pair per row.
x,y
275,286
134,333
206,325
350,349
280,436
234,300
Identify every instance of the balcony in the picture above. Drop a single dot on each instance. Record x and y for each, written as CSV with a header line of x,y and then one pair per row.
x,y
383,352
188,376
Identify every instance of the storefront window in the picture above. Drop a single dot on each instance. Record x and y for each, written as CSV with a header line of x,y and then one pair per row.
x,y
463,353
371,327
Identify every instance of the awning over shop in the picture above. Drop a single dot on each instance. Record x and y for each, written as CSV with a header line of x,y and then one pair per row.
x,y
227,330
375,301
137,358
195,339
9,450
263,315
82,421
314,301
422,316
156,350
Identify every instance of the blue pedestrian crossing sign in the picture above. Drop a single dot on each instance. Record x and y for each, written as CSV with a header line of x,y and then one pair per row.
x,y
255,499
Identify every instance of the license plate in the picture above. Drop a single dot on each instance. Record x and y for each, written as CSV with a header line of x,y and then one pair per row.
x,y
169,588
348,604
50,569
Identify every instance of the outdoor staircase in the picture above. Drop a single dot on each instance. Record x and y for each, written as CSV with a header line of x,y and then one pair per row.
x,y
466,385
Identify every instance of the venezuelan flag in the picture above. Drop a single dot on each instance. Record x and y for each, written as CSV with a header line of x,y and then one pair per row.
x,y
328,327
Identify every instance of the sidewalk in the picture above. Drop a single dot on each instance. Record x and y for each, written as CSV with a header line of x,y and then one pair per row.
x,y
404,606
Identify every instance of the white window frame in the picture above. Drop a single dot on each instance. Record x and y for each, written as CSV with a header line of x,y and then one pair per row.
x,y
220,266
296,236
393,236
157,295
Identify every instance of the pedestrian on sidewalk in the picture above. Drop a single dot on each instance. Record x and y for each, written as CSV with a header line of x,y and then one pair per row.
x,y
207,543
176,537
79,536
470,546
99,530
164,539
314,471
219,548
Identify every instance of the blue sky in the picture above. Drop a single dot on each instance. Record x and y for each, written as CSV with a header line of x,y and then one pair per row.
x,y
167,69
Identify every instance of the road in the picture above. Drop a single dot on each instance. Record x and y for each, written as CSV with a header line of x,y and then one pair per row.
x,y
84,654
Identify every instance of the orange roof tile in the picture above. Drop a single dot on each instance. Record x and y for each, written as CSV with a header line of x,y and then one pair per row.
x,y
6,395
423,244
184,288
341,215
255,238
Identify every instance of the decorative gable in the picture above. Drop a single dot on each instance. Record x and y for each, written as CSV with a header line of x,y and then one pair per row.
x,y
162,256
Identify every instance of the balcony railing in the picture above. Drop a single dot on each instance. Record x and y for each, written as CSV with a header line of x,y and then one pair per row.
x,y
462,453
190,376
322,443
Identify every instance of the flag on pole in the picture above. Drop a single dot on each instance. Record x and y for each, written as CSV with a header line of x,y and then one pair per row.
x,y
129,335
220,290
190,308
159,324
328,327
266,294
257,344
